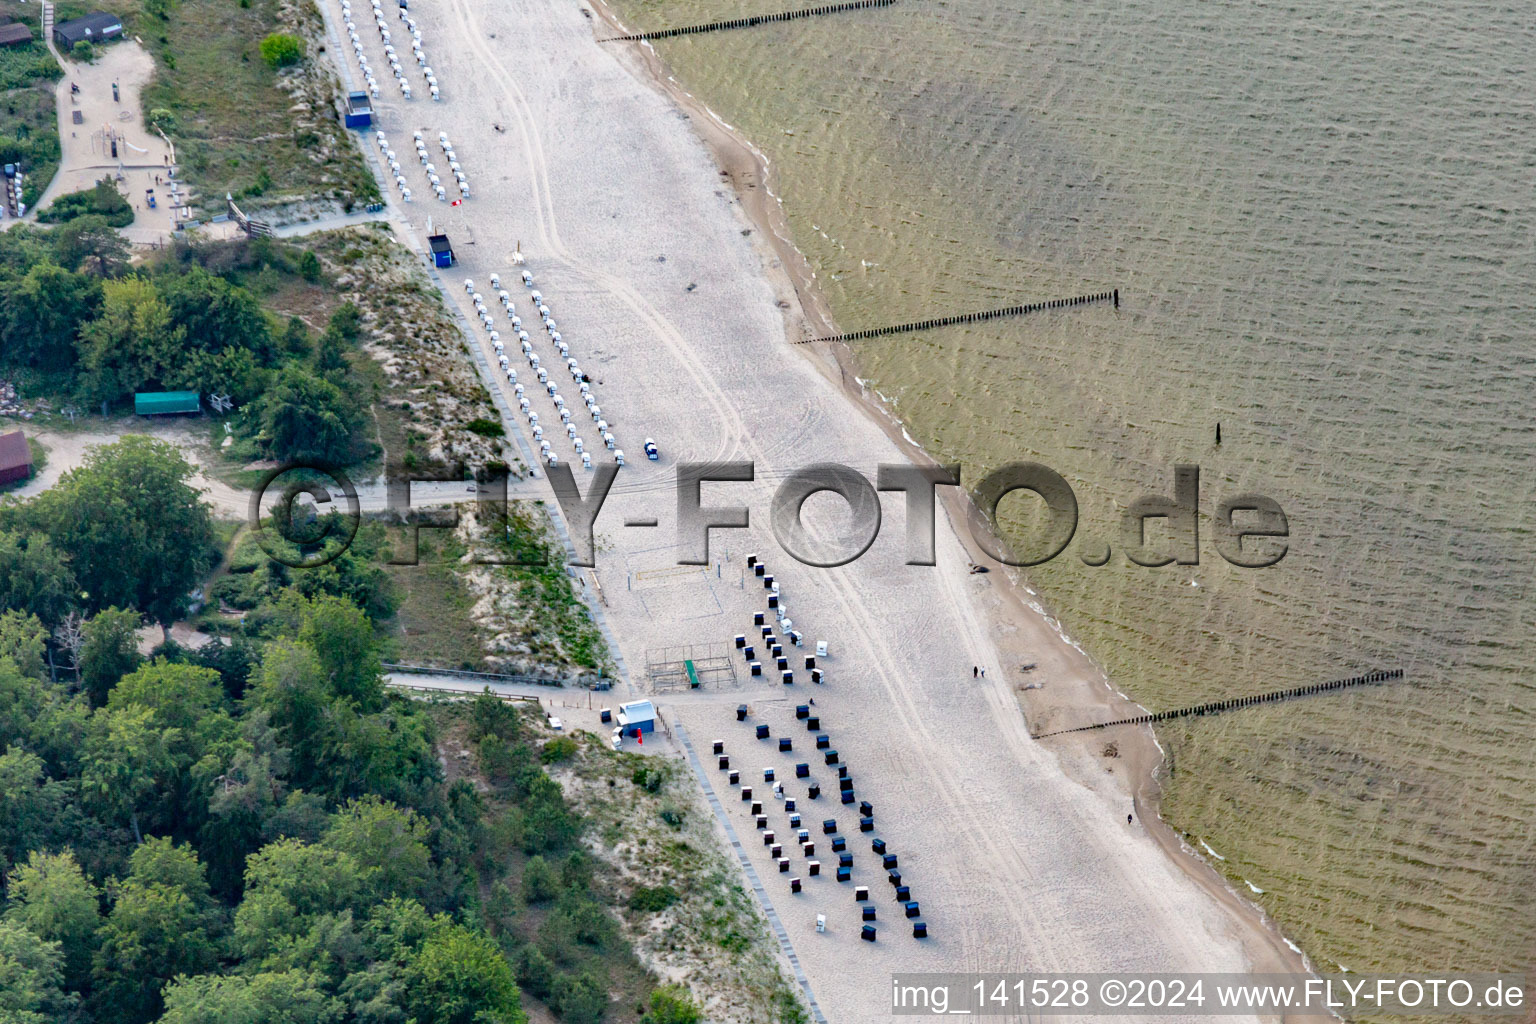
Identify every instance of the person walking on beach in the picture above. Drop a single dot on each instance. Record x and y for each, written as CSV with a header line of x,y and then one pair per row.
x,y
983,673
975,671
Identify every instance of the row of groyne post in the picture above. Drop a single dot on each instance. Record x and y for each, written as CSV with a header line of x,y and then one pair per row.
x,y
1111,296
752,22
1237,703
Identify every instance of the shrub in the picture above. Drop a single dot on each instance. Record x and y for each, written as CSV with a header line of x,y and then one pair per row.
x,y
496,758
83,51
648,779
489,715
581,999
165,120
309,266
653,900
280,50
540,882
485,428
561,748
534,972
671,1004
25,65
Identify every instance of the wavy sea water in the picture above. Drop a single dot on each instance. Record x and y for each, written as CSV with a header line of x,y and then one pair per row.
x,y
1322,220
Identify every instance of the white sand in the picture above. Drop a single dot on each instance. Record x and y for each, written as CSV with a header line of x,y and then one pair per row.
x,y
1017,866
86,155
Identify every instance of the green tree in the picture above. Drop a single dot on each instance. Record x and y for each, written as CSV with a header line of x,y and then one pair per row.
x,y
21,702
343,638
295,337
233,661
127,765
290,690
330,354
545,822
91,245
52,898
31,977
347,322
489,715
270,997
35,577
103,198
110,651
306,417
161,925
459,977
41,315
41,717
181,696
534,971
244,788
290,885
388,843
280,50
355,577
24,640
134,343
30,805
215,315
135,530
234,371
309,266
186,738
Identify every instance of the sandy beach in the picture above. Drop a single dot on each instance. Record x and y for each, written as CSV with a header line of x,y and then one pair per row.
x,y
652,235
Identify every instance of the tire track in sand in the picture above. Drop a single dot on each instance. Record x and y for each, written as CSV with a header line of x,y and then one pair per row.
x,y
538,165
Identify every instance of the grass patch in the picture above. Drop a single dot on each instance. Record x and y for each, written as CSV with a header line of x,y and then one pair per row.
x,y
561,623
236,129
432,624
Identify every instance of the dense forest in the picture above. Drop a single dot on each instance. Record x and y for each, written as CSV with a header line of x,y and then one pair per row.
x,y
82,323
259,830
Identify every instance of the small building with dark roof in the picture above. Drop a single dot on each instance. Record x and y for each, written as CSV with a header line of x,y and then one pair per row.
x,y
15,457
93,28
15,34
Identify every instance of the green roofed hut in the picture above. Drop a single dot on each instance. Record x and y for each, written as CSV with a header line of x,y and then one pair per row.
x,y
166,403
